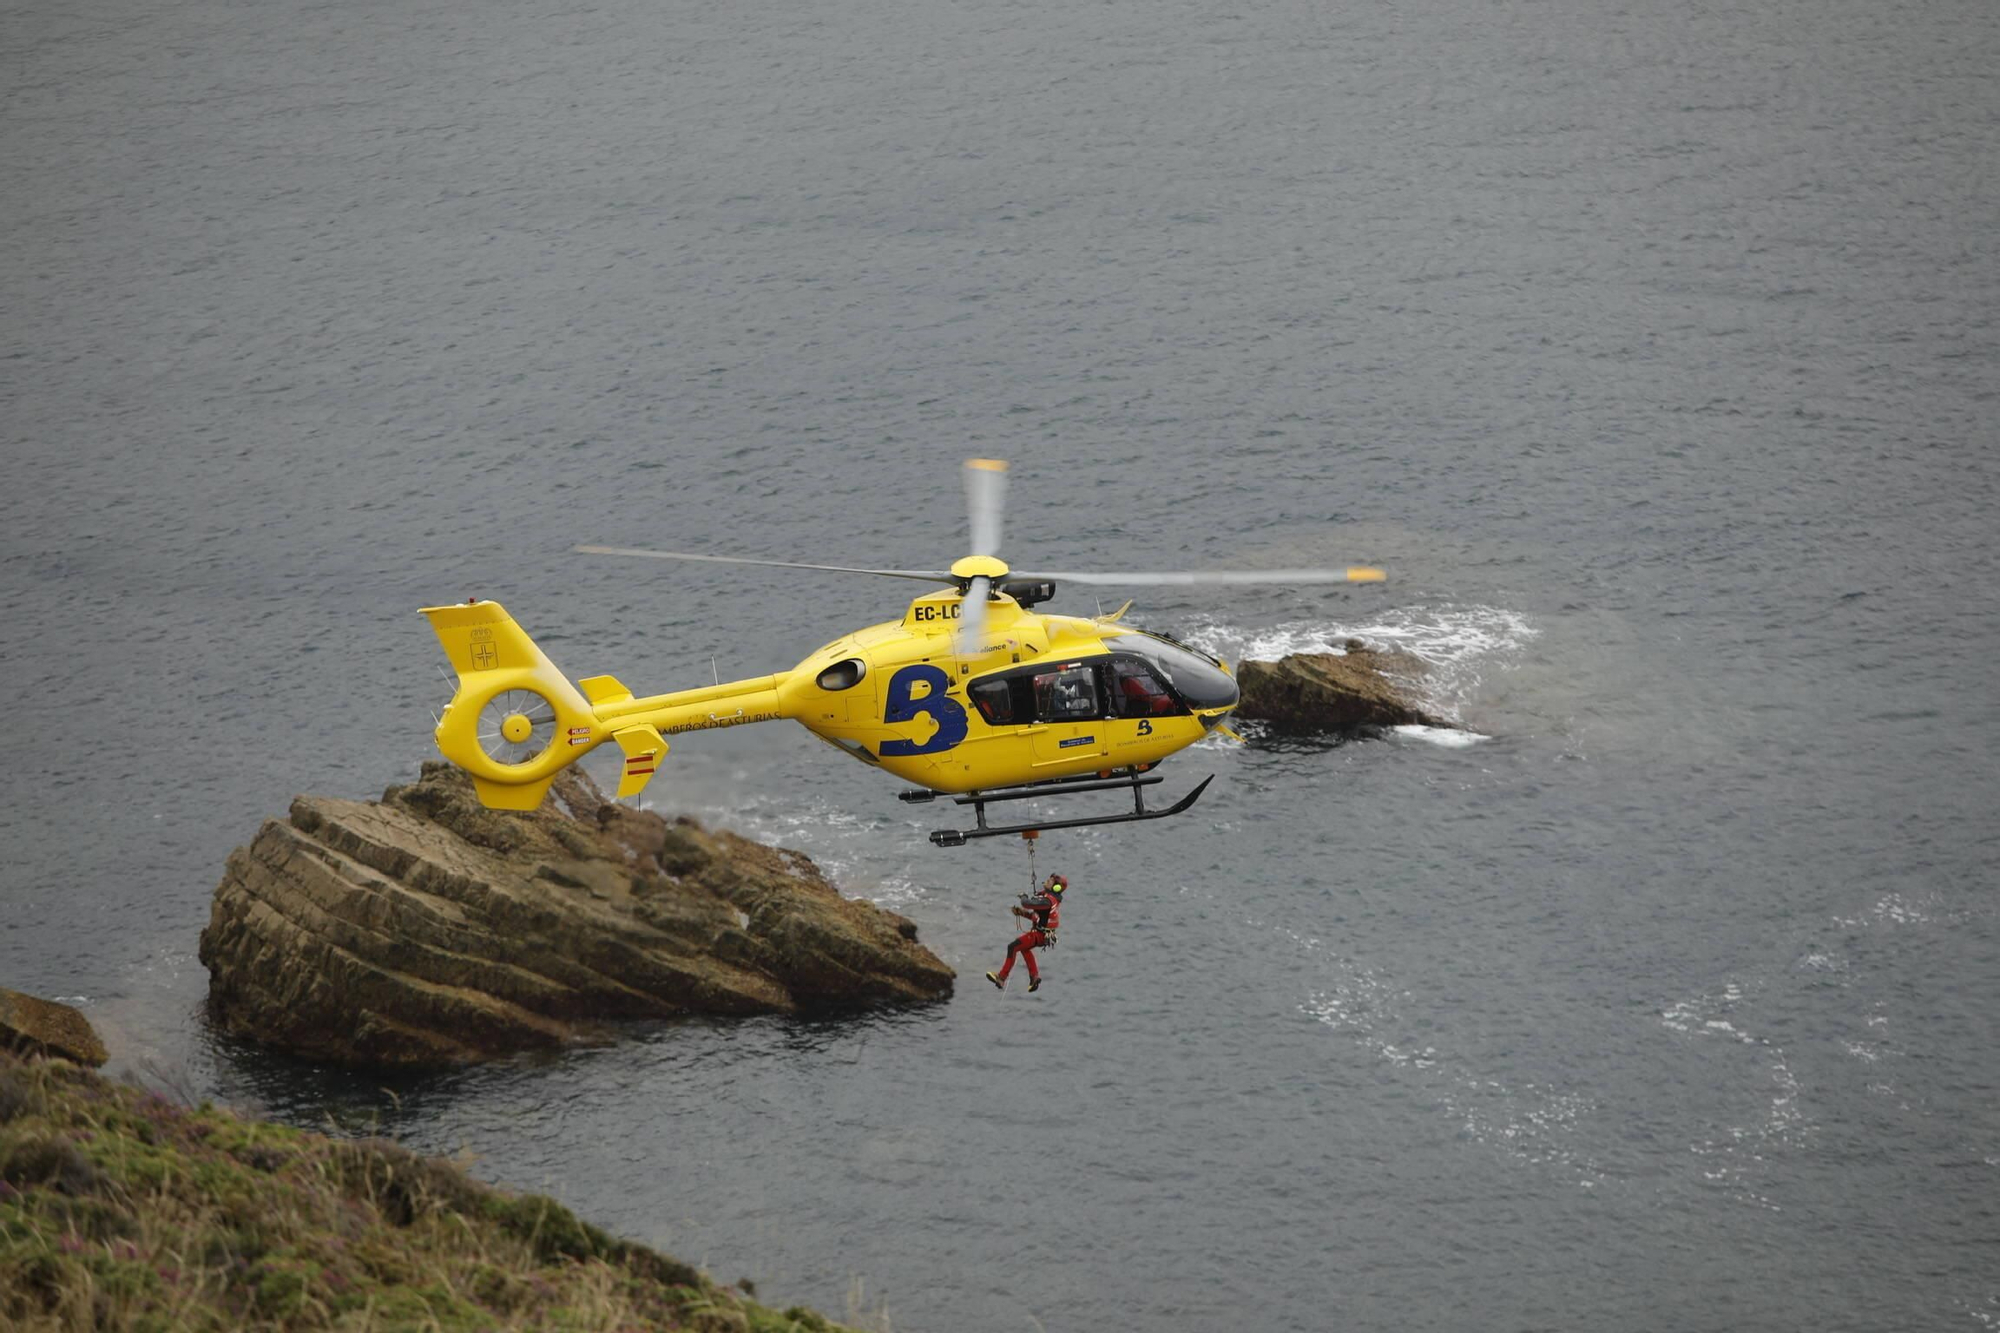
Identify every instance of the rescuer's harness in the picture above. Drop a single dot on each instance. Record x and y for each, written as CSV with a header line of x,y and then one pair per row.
x,y
1047,932
1040,921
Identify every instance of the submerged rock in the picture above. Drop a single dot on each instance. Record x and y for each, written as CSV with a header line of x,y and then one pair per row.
x,y
29,1026
427,930
1308,692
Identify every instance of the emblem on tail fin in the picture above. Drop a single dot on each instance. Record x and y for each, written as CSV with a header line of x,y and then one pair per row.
x,y
511,704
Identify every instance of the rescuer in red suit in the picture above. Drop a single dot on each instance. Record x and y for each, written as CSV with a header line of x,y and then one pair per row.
x,y
1043,911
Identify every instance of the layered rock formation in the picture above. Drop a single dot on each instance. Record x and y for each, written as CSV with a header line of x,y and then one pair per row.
x,y
33,1027
1319,692
426,930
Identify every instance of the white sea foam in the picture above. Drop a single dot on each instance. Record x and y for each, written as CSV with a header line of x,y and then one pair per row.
x,y
1527,1121
1439,635
1894,910
1724,1024
1530,1122
895,890
1699,1016
1454,642
1727,1159
1448,737
1352,1009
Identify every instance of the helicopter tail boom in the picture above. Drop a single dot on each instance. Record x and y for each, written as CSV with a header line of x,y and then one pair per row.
x,y
516,721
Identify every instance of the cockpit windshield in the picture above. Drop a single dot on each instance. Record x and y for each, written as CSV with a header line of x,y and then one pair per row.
x,y
1195,676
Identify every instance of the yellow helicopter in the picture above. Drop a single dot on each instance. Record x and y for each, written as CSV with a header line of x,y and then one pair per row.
x,y
972,694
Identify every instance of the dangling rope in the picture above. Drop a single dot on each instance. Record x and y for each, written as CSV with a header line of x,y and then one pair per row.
x,y
1030,837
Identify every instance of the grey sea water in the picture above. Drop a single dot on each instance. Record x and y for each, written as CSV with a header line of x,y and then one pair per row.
x,y
1651,349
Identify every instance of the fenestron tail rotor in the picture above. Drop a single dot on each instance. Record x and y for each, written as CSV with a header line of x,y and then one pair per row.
x,y
517,726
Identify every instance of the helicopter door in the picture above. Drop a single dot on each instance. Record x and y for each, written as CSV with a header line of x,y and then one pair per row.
x,y
1070,705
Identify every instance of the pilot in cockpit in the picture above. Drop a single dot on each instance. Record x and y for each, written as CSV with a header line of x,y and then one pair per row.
x,y
1140,693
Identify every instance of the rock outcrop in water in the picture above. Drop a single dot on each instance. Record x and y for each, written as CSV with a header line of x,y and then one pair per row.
x,y
427,930
34,1027
1321,692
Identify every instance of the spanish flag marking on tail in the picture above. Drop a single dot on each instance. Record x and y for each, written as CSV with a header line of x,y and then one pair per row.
x,y
644,747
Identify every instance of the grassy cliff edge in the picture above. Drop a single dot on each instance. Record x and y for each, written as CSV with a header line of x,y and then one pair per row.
x,y
121,1209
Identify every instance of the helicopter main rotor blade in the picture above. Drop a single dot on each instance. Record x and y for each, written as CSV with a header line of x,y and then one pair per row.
x,y
925,575
985,501
1186,577
972,617
985,498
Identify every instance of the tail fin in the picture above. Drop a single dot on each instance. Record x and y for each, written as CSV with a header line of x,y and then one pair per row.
x,y
516,721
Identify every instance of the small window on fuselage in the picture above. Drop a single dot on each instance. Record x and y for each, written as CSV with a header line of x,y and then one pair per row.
x,y
995,701
843,675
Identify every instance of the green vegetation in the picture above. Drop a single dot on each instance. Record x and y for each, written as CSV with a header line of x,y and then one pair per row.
x,y
120,1209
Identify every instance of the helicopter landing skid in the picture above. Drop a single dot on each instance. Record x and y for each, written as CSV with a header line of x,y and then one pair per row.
x,y
951,837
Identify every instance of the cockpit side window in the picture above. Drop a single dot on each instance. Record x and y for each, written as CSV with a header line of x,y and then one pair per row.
x,y
1067,695
1136,690
995,701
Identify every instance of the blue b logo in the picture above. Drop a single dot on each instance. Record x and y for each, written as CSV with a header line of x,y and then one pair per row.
x,y
903,706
